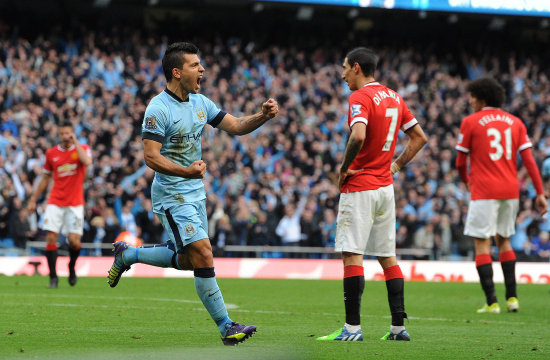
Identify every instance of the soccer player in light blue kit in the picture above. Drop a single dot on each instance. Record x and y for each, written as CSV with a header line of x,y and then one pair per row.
x,y
171,132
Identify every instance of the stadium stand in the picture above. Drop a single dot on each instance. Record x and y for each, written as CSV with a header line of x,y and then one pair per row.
x,y
101,80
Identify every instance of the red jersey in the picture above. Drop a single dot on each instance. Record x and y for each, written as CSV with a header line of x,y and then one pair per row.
x,y
384,112
68,175
492,138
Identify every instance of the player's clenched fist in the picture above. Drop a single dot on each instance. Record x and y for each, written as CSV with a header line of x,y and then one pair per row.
x,y
196,170
270,108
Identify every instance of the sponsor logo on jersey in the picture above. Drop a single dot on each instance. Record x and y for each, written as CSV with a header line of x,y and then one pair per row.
x,y
355,110
151,123
201,114
66,169
181,138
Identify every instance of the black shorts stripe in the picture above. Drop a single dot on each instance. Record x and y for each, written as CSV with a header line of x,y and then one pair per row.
x,y
174,227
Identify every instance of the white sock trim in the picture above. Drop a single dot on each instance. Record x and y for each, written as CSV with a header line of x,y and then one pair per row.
x,y
352,328
396,329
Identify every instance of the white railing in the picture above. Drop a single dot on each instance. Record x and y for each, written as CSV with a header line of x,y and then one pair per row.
x,y
240,250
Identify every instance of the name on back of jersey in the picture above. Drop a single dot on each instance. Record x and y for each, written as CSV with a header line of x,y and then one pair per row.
x,y
492,117
382,94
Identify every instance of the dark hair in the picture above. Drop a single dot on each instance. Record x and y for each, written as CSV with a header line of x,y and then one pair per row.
x,y
366,59
488,90
173,57
65,123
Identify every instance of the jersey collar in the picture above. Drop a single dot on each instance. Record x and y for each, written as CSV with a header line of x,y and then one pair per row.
x,y
372,83
61,149
177,98
489,108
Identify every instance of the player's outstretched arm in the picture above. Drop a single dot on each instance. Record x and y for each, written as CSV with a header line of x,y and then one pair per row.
x,y
417,139
246,124
42,185
161,164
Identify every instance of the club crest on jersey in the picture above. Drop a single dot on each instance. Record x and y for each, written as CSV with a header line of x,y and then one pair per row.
x,y
151,123
201,114
179,198
355,110
189,229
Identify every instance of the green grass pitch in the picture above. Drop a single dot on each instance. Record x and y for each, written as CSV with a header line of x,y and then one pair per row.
x,y
153,318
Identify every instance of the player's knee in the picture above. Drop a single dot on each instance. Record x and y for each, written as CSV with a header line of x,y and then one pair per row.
x,y
183,262
51,238
205,254
201,255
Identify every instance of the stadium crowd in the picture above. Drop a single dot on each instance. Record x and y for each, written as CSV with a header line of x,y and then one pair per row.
x,y
284,172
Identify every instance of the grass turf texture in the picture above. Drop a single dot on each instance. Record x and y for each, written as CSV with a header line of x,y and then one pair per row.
x,y
150,318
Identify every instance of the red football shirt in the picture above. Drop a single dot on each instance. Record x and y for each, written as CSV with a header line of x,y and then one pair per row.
x,y
492,138
384,112
68,175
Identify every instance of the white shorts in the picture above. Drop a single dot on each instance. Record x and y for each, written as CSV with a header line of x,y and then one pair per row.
x,y
487,218
366,222
64,219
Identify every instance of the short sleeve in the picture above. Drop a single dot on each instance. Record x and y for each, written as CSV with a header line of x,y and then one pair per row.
x,y
407,118
87,149
48,168
464,138
154,124
358,109
524,141
213,113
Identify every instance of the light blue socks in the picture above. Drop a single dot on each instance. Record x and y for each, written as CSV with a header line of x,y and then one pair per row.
x,y
158,255
211,296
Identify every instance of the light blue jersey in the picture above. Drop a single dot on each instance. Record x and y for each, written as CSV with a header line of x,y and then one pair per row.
x,y
178,126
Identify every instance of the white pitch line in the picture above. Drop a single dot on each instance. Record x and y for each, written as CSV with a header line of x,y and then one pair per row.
x,y
229,306
105,297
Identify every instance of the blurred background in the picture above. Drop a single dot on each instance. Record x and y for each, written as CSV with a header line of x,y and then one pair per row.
x,y
97,64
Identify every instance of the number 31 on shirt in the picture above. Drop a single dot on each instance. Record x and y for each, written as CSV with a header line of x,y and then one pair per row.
x,y
495,143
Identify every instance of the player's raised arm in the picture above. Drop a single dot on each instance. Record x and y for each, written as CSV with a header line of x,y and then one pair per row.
x,y
246,124
83,156
156,161
417,139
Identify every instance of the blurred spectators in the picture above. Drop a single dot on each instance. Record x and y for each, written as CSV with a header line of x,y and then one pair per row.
x,y
285,172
